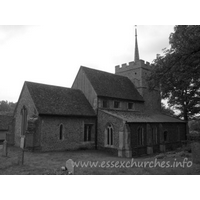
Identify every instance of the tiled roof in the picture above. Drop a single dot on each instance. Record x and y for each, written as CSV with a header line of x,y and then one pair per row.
x,y
111,85
54,100
5,121
142,117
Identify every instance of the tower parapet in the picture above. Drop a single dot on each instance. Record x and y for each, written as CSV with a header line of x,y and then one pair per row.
x,y
132,65
138,72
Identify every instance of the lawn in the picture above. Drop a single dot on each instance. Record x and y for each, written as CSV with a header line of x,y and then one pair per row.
x,y
37,163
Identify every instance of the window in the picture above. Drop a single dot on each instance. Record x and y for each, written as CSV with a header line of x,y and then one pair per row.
x,y
105,104
109,136
116,104
130,106
87,132
61,132
165,136
140,136
24,114
155,135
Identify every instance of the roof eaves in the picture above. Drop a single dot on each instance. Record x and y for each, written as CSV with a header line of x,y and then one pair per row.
x,y
126,99
69,115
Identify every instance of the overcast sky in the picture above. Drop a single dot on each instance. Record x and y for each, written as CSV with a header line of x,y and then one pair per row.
x,y
60,36
53,54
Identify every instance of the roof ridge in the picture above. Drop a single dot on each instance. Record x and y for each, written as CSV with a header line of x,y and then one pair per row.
x,y
117,75
43,84
111,85
56,100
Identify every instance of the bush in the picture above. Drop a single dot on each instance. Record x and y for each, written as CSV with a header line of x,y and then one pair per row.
x,y
194,125
194,135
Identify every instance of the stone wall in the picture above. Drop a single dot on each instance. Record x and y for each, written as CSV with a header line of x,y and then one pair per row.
x,y
103,120
82,83
33,134
24,100
137,106
138,150
73,133
138,73
176,134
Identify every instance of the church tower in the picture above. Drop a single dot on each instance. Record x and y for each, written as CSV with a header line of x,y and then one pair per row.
x,y
137,71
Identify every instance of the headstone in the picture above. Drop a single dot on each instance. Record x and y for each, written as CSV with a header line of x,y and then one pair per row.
x,y
70,166
21,152
5,148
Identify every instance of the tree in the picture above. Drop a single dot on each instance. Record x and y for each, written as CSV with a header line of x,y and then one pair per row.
x,y
6,106
167,110
177,72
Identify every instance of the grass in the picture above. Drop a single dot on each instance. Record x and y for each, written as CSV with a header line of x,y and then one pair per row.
x,y
38,163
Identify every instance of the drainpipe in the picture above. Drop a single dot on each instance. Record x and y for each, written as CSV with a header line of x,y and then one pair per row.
x,y
96,131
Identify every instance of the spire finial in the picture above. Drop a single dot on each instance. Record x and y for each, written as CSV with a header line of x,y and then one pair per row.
x,y
136,46
136,30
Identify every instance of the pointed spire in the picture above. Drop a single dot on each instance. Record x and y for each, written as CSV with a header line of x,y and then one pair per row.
x,y
137,58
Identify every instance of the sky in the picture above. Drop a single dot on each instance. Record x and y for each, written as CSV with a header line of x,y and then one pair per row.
x,y
54,54
47,42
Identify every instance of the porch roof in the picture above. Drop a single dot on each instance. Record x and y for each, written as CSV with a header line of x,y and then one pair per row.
x,y
136,117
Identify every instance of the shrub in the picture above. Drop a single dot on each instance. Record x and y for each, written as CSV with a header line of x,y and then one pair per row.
x,y
194,125
194,135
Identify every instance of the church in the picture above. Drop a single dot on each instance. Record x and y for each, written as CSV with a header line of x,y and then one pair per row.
x,y
113,112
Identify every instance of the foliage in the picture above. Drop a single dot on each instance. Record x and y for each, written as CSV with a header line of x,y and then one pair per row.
x,y
167,110
6,106
194,125
177,71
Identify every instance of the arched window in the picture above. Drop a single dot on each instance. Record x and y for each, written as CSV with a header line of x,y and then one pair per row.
x,y
165,135
140,136
87,132
24,114
155,135
61,132
109,135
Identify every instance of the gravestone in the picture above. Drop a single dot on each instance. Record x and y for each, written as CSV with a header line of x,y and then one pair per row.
x,y
5,148
70,166
21,152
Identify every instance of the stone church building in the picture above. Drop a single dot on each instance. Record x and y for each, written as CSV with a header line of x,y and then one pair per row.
x,y
116,112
